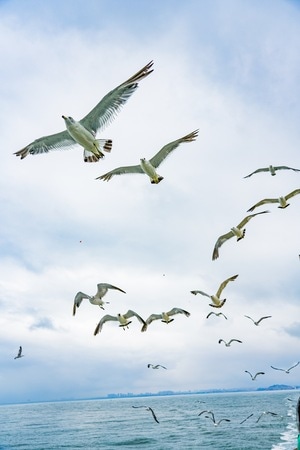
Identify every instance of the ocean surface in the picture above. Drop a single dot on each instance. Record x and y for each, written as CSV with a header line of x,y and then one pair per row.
x,y
114,423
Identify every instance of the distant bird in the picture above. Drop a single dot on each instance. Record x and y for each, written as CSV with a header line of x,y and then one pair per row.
x,y
19,355
227,344
148,409
217,302
267,412
216,423
156,366
96,299
257,322
287,370
122,319
84,131
148,167
237,231
253,377
281,200
216,314
205,411
272,170
248,417
165,316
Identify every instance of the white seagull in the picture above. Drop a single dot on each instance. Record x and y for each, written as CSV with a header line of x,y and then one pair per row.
x,y
216,301
286,370
96,299
84,131
165,316
238,231
148,409
216,423
272,170
253,377
227,344
156,366
122,319
148,167
281,200
267,412
19,355
257,322
216,314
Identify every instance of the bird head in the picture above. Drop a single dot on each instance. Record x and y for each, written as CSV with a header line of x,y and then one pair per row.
x,y
68,119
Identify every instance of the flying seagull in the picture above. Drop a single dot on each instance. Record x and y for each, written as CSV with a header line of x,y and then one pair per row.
x,y
281,200
165,316
156,366
148,167
122,319
257,322
253,377
96,299
267,412
286,370
84,131
19,355
148,409
237,231
272,170
205,411
216,301
227,344
212,417
216,314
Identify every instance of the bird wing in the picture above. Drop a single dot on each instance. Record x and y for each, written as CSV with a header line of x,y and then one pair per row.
x,y
78,299
20,351
235,340
247,371
295,365
262,202
131,313
247,218
263,169
224,284
102,321
153,414
276,368
205,411
106,110
292,194
250,318
286,167
220,241
167,149
153,317
100,286
178,311
120,171
262,318
46,143
200,292
221,340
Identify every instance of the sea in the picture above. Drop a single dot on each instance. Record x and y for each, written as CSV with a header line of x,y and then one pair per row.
x,y
256,420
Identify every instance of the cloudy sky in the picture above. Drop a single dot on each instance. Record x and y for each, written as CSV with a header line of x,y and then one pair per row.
x,y
228,68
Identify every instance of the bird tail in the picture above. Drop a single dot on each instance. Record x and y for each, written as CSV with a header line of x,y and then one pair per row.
x,y
101,145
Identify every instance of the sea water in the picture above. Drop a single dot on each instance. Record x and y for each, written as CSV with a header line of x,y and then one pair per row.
x,y
114,423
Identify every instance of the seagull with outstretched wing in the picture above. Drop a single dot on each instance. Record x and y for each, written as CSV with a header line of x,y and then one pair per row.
x,y
155,366
19,355
96,299
149,167
216,301
165,316
238,231
253,377
287,370
272,170
269,413
227,344
148,409
216,314
281,200
257,322
122,319
84,131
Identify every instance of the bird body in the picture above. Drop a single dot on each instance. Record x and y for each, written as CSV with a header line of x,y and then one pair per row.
x,y
19,355
238,231
257,322
272,170
217,302
282,200
96,299
165,316
227,344
84,131
122,319
149,167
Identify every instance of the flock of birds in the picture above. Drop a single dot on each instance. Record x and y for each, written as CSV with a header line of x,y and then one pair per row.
x,y
83,133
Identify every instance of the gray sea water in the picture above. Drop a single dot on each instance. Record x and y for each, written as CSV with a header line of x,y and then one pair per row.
x,y
114,423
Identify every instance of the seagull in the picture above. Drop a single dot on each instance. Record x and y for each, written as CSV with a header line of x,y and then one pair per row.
x,y
257,322
123,320
148,167
237,231
272,170
165,316
227,344
216,314
148,409
84,131
281,200
96,299
157,366
267,412
253,377
212,417
286,370
217,302
19,355
205,411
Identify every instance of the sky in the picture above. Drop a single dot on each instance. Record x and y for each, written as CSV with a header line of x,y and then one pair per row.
x,y
228,68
